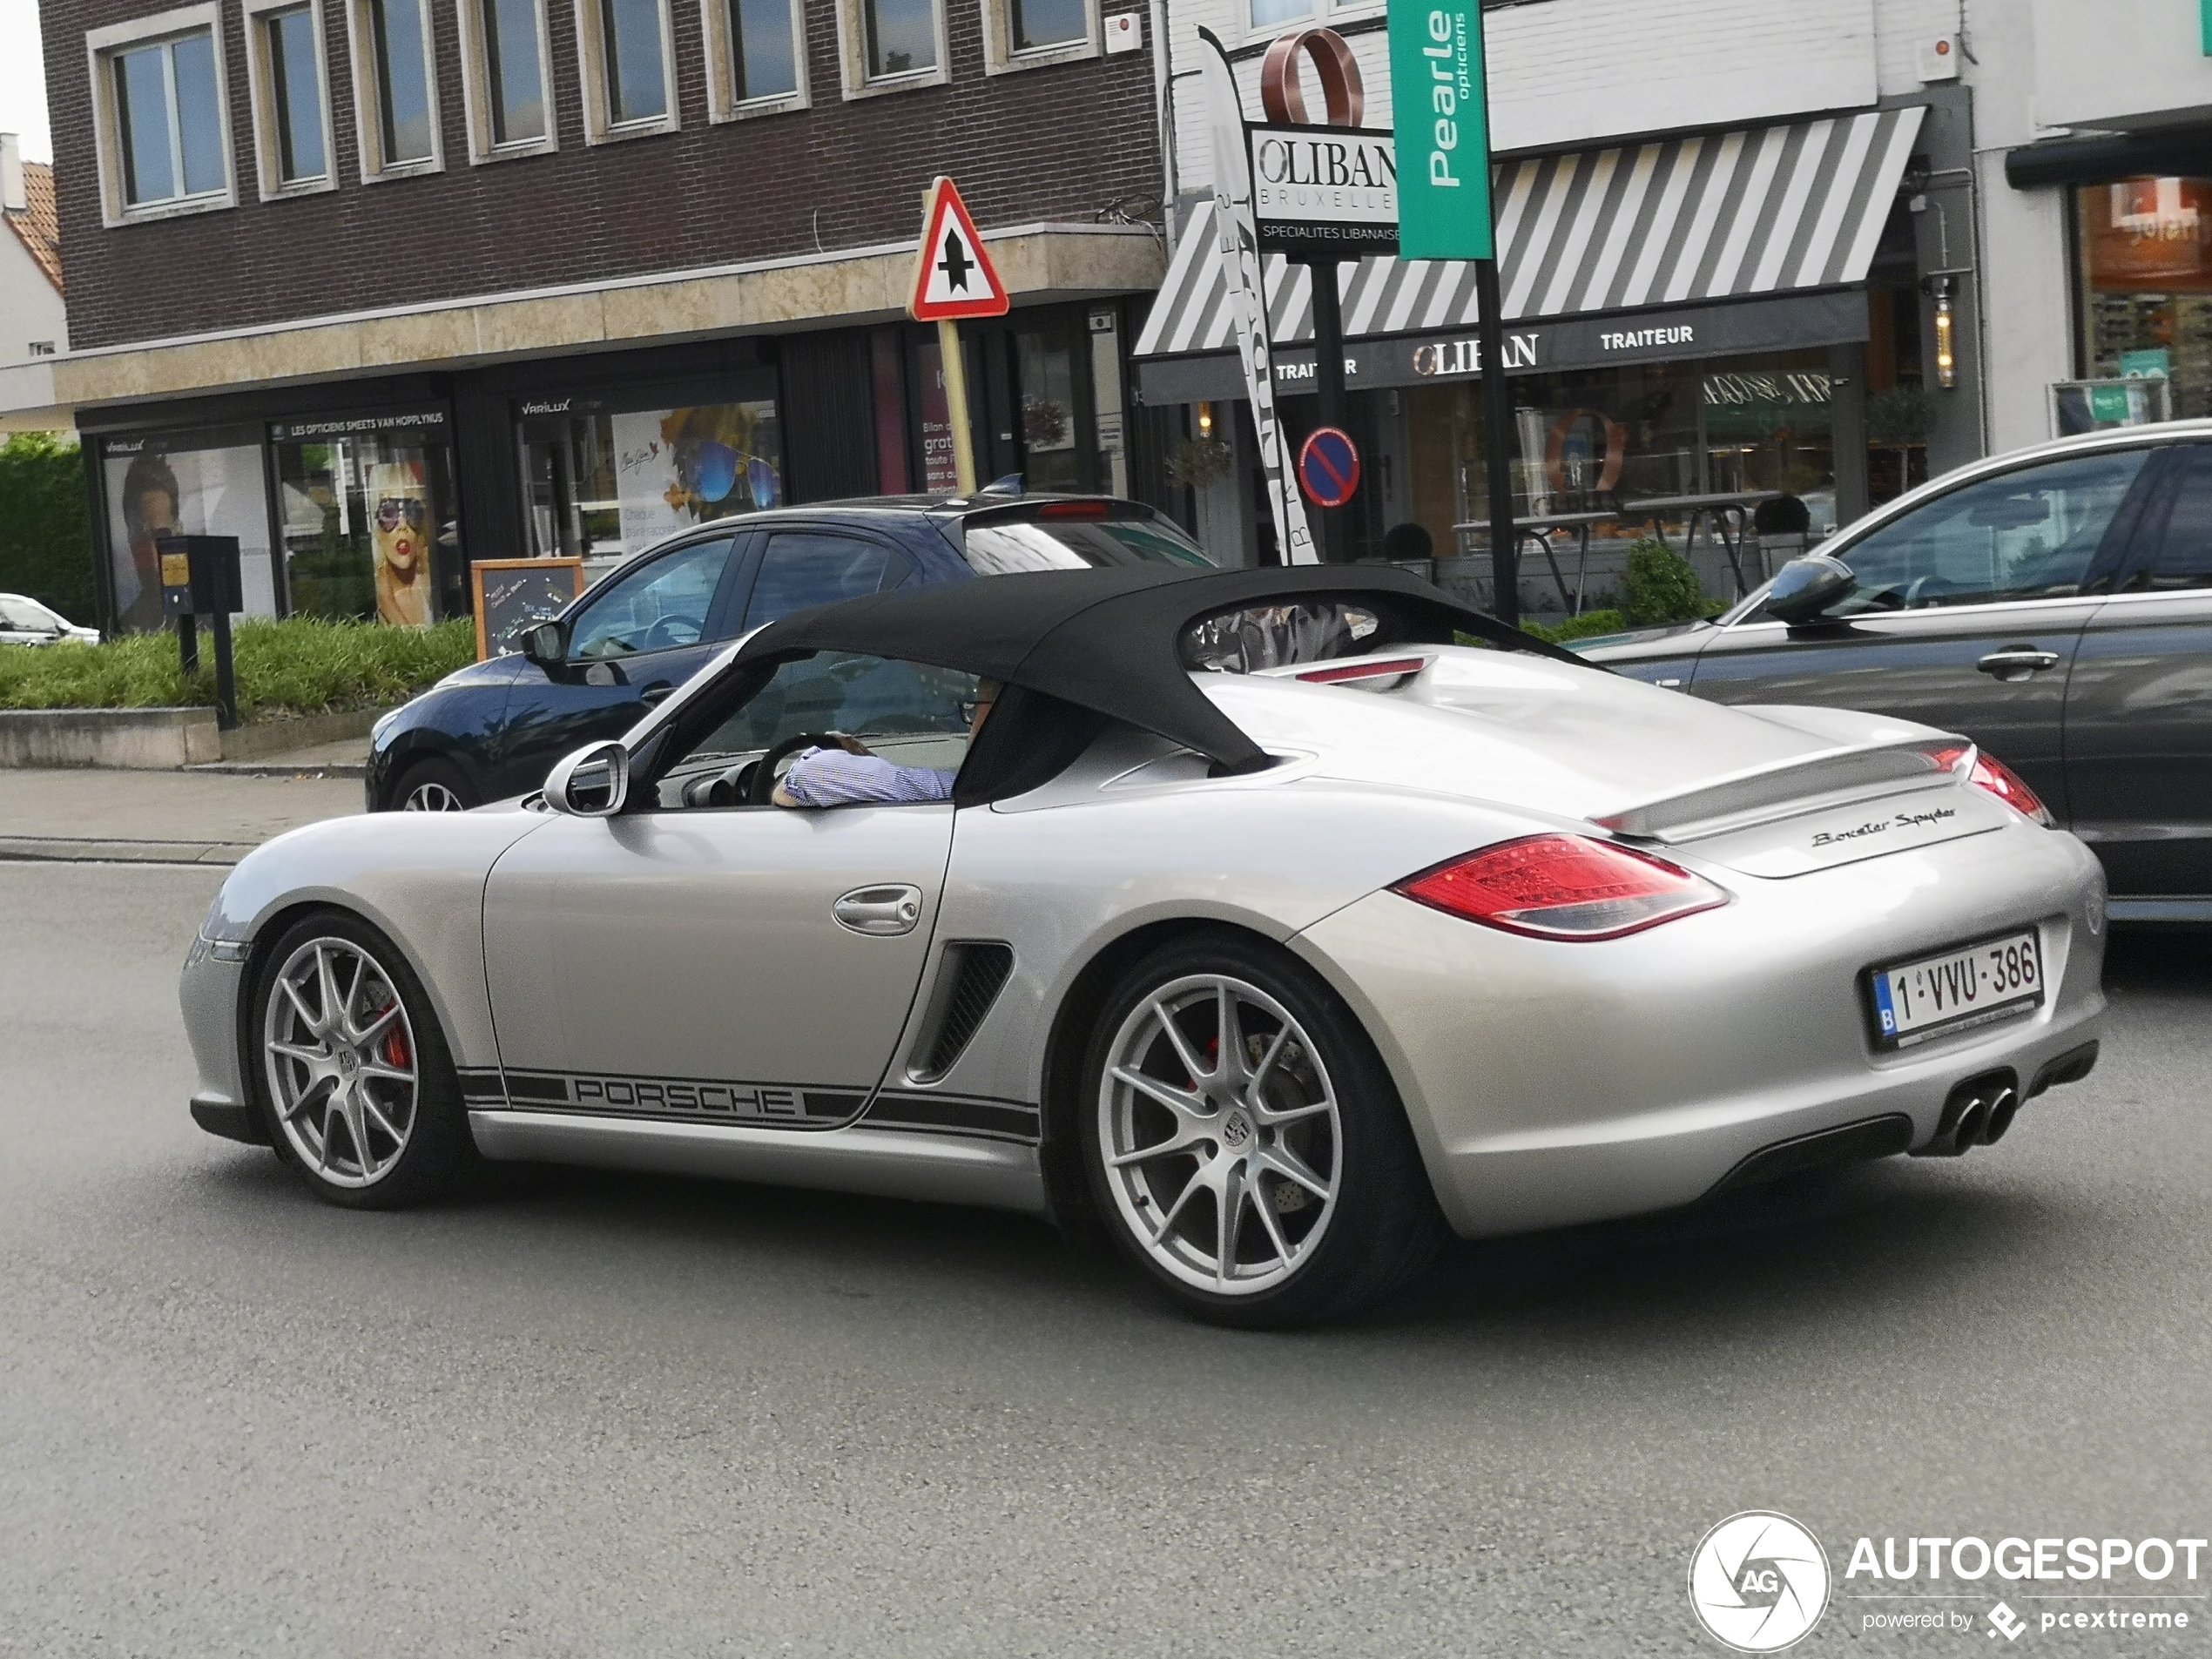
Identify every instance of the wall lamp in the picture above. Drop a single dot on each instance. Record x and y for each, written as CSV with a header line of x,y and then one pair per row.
x,y
1943,289
1205,420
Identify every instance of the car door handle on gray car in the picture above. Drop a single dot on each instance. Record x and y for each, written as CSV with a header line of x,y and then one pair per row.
x,y
879,911
2017,662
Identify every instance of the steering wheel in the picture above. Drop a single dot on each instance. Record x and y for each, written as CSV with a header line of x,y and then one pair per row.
x,y
763,783
670,631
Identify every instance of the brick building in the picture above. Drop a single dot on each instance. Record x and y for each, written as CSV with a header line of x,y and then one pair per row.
x,y
556,277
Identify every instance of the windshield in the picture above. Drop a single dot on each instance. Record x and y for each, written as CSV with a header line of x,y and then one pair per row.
x,y
1006,546
27,614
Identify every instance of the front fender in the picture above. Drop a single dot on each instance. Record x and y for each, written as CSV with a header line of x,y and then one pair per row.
x,y
418,877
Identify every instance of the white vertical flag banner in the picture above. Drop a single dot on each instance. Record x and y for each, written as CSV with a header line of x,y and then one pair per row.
x,y
1239,229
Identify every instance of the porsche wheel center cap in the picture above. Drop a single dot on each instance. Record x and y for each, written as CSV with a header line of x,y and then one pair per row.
x,y
347,1060
1236,1130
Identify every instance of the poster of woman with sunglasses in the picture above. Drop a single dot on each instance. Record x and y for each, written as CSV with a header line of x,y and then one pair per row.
x,y
400,522
677,467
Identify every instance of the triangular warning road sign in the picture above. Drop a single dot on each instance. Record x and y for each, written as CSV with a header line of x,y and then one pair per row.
x,y
954,278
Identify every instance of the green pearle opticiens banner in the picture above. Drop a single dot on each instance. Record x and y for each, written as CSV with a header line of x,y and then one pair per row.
x,y
1443,126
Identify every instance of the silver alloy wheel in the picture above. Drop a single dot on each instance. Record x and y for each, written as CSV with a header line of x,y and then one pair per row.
x,y
431,796
341,1061
1219,1130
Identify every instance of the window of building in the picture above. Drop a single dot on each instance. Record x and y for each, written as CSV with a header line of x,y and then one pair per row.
x,y
755,57
367,510
1268,18
627,51
1027,34
2146,285
163,120
291,115
890,45
506,69
396,88
601,484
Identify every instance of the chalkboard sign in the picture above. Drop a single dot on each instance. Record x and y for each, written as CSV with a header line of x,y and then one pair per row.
x,y
512,593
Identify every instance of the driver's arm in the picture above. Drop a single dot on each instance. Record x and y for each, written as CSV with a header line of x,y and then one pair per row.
x,y
840,778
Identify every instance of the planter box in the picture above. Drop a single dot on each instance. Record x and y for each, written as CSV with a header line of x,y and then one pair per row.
x,y
138,740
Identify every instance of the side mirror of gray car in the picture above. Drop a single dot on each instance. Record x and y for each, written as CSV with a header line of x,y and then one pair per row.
x,y
1807,588
589,783
546,643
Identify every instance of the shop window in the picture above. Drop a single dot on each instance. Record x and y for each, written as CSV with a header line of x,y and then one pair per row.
x,y
1027,34
889,45
2147,281
1050,459
395,88
368,526
506,71
603,484
755,57
163,120
291,115
206,485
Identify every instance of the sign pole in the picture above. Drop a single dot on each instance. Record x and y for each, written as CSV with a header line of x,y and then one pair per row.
x,y
1440,85
1497,460
955,371
1328,381
954,278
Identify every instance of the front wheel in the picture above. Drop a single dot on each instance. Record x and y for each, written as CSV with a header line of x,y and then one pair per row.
x,y
1245,1144
435,786
354,1079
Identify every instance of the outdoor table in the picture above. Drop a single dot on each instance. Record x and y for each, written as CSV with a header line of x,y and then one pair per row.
x,y
1725,510
1539,527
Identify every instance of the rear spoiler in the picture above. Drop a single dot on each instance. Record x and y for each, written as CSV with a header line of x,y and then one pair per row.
x,y
1788,788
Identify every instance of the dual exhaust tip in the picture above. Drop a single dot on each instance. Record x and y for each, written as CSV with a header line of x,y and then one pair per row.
x,y
1977,1112
1980,1110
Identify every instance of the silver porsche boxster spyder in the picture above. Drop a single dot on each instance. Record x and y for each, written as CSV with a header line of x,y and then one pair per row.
x,y
1276,925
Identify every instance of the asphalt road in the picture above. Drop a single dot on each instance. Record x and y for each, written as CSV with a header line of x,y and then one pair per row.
x,y
595,1415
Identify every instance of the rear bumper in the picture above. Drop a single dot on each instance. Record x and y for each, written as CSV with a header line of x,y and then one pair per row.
x,y
1551,1083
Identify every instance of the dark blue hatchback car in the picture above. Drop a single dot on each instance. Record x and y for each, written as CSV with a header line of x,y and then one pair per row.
x,y
494,728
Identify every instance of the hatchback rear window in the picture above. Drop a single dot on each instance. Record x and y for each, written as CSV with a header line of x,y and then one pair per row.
x,y
1076,535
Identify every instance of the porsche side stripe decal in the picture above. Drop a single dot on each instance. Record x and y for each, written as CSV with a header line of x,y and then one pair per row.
x,y
791,1106
779,1105
1003,1120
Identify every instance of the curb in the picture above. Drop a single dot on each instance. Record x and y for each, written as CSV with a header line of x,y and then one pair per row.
x,y
272,769
61,849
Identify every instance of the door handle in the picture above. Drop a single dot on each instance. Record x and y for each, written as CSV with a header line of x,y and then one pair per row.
x,y
2017,662
655,692
879,912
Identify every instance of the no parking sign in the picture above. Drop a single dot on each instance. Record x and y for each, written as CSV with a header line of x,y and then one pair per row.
x,y
1328,466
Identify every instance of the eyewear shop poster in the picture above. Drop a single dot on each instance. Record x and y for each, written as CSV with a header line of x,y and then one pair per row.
x,y
683,467
153,490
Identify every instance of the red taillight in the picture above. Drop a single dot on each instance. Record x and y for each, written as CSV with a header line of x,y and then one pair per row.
x,y
2000,780
1073,509
1563,886
1364,671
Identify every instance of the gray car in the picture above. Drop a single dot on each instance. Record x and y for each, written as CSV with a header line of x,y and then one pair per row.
x,y
1262,927
2055,605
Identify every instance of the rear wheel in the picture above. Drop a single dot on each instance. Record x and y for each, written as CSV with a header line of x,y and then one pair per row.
x,y
357,1085
1245,1145
435,786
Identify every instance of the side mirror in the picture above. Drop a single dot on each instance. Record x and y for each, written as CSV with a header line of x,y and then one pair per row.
x,y
591,783
546,643
1805,589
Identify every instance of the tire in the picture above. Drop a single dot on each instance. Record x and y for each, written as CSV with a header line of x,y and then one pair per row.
x,y
1302,1142
370,1113
434,786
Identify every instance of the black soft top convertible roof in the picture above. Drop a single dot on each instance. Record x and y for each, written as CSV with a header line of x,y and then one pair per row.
x,y
1106,640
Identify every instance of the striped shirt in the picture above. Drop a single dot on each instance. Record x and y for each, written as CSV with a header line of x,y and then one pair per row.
x,y
832,778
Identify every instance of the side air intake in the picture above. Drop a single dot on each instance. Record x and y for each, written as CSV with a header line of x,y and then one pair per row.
x,y
969,981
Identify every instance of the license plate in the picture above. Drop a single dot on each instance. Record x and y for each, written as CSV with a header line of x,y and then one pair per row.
x,y
1955,989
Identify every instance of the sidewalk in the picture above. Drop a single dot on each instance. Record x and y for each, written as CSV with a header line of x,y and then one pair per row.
x,y
159,817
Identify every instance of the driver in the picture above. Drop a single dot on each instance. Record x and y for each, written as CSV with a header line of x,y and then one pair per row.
x,y
852,775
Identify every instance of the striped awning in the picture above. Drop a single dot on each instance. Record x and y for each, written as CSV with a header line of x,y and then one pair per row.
x,y
1767,210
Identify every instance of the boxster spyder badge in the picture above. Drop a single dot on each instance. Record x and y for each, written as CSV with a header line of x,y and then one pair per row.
x,y
1275,924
